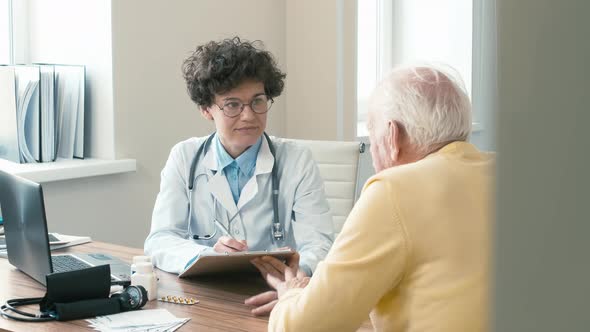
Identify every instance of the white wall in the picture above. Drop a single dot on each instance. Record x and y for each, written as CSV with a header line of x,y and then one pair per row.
x,y
149,46
320,55
4,32
152,111
542,270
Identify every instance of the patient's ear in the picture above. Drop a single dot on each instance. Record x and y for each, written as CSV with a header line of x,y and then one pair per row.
x,y
394,138
206,112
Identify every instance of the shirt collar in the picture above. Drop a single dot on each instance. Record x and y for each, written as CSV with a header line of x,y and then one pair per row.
x,y
462,150
459,147
223,158
246,161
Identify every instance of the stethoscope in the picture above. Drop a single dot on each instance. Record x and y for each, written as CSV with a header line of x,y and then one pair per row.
x,y
277,232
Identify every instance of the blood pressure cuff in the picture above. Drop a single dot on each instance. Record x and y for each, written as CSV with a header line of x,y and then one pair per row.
x,y
87,308
78,294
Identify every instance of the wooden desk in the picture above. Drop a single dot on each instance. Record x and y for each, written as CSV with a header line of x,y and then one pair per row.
x,y
221,306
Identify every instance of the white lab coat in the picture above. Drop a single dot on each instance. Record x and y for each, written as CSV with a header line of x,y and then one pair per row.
x,y
303,207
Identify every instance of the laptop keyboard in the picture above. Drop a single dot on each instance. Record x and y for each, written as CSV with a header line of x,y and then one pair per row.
x,y
64,263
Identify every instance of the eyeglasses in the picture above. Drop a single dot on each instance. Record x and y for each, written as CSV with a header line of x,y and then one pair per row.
x,y
259,105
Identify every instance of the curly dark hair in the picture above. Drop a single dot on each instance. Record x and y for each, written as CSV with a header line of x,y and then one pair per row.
x,y
218,67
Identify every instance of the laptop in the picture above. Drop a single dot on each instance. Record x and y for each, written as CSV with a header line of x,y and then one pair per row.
x,y
27,240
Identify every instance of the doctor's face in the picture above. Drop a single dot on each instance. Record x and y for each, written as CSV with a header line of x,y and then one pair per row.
x,y
242,131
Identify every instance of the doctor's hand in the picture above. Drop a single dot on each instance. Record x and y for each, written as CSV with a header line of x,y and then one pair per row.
x,y
227,244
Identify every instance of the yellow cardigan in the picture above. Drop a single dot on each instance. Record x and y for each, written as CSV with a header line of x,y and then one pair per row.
x,y
414,253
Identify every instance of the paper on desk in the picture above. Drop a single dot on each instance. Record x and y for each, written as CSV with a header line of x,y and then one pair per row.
x,y
69,241
154,320
65,240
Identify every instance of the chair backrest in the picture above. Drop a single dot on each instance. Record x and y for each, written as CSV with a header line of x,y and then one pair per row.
x,y
338,164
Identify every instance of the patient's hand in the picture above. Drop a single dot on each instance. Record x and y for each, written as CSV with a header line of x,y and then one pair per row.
x,y
281,276
296,282
270,266
263,302
276,274
227,244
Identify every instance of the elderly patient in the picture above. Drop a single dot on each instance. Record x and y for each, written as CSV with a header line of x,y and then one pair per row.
x,y
414,252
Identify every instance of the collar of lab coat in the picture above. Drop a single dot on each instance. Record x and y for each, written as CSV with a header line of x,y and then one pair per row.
x,y
219,187
265,160
210,158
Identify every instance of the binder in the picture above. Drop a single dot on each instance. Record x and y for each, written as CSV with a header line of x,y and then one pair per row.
x,y
47,104
8,128
69,108
19,113
27,112
42,112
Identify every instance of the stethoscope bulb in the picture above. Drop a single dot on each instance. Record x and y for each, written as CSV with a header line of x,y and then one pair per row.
x,y
277,231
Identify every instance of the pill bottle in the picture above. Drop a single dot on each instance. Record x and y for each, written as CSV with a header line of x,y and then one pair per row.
x,y
139,259
146,277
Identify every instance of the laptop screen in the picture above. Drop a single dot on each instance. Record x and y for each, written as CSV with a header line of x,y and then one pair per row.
x,y
25,225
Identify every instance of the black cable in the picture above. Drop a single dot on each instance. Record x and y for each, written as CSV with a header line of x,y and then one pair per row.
x,y
11,305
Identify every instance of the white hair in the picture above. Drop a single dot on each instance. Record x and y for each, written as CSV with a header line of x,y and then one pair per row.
x,y
431,105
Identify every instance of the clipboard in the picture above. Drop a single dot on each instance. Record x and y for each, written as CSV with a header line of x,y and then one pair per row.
x,y
212,263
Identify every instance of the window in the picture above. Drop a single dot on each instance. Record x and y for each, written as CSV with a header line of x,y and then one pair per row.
x,y
366,59
392,32
5,32
13,32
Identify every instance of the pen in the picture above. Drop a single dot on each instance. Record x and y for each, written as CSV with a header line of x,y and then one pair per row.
x,y
223,229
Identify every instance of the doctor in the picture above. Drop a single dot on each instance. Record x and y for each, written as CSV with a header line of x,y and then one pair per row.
x,y
216,192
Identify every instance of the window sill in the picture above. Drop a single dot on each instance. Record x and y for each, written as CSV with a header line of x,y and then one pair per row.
x,y
68,169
